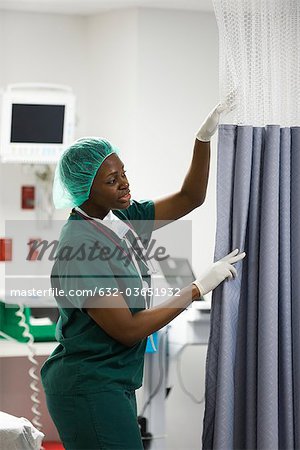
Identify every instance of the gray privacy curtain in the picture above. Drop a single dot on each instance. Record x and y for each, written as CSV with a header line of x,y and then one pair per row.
x,y
253,360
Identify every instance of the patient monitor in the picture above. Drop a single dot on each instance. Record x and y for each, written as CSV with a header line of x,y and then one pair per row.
x,y
37,122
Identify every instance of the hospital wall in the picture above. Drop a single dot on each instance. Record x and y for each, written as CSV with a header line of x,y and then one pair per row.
x,y
146,80
154,79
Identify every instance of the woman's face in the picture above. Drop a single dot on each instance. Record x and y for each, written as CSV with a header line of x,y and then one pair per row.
x,y
110,188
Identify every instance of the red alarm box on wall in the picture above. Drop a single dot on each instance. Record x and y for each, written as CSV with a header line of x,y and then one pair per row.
x,y
28,197
5,249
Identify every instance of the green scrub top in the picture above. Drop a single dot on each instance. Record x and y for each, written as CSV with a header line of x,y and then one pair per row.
x,y
87,359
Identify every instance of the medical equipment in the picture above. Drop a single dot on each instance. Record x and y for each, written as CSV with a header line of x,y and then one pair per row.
x,y
37,122
15,326
26,334
76,170
178,272
44,207
41,322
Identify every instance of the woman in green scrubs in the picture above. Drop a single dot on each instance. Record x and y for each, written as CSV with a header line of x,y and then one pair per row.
x,y
91,377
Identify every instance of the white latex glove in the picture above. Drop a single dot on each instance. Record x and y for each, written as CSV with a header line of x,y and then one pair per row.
x,y
210,125
218,272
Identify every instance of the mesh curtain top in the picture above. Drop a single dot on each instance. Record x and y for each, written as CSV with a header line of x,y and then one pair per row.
x,y
259,53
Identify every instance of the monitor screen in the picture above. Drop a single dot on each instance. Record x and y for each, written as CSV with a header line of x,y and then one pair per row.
x,y
177,272
40,124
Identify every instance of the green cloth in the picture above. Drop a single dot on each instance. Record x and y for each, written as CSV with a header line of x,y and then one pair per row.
x,y
104,420
87,359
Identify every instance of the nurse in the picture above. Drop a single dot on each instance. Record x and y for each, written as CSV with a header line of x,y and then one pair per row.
x,y
100,268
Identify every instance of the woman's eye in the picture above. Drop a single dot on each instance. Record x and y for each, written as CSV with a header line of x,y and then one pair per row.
x,y
124,173
111,181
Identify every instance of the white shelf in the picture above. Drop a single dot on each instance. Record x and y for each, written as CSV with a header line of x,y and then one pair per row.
x,y
11,349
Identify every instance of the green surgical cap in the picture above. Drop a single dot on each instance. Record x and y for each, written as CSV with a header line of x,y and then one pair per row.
x,y
76,170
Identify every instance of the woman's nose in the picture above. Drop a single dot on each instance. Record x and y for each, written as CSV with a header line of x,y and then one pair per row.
x,y
124,184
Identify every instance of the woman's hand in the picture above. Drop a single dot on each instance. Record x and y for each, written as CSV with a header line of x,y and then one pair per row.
x,y
218,272
211,122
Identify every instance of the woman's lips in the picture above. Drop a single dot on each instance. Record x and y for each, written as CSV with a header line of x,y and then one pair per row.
x,y
125,197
